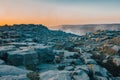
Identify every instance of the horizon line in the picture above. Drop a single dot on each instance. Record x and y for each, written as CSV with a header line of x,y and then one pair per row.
x,y
59,24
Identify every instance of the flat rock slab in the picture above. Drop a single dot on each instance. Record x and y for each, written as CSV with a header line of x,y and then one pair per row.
x,y
11,70
63,75
9,77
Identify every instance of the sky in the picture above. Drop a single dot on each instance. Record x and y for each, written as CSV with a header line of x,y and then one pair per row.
x,y
59,12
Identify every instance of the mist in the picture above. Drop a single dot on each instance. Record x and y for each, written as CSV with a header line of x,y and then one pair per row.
x,y
83,29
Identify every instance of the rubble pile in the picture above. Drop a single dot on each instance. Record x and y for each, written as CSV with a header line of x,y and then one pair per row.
x,y
56,55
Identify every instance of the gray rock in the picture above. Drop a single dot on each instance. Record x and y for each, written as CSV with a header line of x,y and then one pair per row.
x,y
55,75
29,40
82,67
23,57
115,78
58,52
68,54
100,78
64,75
79,49
70,61
69,68
11,70
86,55
59,55
100,70
22,44
80,75
90,61
4,50
2,62
45,53
10,77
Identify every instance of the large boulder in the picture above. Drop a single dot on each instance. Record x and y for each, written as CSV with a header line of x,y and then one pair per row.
x,y
23,57
45,53
64,75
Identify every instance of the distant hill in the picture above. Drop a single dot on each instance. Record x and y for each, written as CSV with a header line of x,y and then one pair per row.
x,y
32,32
82,29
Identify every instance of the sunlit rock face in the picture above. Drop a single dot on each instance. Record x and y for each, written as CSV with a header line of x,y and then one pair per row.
x,y
83,29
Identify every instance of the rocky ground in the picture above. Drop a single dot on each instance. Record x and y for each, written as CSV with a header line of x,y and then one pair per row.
x,y
33,52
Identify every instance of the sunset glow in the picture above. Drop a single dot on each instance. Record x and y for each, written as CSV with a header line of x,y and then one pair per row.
x,y
59,12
